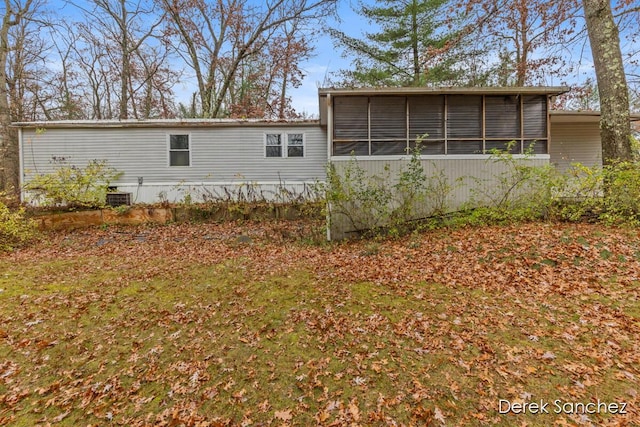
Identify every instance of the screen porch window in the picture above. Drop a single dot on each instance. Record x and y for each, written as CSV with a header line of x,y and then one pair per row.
x,y
179,150
444,124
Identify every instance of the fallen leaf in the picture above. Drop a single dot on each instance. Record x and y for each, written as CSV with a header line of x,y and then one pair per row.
x,y
284,415
438,415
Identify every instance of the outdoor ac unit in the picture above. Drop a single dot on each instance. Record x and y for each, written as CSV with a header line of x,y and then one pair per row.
x,y
118,199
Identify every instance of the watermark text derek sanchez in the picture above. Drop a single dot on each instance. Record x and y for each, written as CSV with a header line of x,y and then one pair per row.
x,y
559,406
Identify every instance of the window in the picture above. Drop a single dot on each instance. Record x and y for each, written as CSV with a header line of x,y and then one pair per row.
x,y
388,118
295,145
426,123
464,116
179,154
274,145
351,125
535,114
502,117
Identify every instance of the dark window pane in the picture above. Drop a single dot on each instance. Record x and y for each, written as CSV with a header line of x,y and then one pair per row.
x,y
179,158
426,116
535,116
359,148
295,151
538,146
274,151
350,117
503,146
274,139
295,139
295,145
388,117
464,116
379,148
464,147
502,117
179,142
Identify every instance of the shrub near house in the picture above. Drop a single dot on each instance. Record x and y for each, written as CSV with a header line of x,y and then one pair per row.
x,y
72,186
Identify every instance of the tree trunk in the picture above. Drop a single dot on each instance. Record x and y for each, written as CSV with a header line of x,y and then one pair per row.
x,y
126,63
615,128
9,149
415,45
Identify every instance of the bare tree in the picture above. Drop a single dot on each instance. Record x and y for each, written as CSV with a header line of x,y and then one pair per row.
x,y
222,41
120,34
528,34
14,11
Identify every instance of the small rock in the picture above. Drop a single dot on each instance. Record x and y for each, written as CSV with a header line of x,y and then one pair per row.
x,y
103,242
244,239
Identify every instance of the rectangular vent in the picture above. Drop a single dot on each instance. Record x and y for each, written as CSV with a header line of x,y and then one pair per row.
x,y
118,199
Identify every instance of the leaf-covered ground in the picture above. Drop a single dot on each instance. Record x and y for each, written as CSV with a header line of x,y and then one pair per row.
x,y
249,324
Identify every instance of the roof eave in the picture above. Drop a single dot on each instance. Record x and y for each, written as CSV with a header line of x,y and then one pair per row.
x,y
530,90
573,116
167,123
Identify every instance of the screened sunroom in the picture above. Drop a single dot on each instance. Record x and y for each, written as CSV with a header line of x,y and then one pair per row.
x,y
457,129
444,121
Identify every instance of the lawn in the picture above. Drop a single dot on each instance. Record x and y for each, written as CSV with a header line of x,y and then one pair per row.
x,y
252,324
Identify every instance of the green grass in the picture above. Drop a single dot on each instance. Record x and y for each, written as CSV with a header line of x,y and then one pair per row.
x,y
275,333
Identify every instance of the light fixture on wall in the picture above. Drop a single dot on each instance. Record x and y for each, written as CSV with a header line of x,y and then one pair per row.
x,y
140,180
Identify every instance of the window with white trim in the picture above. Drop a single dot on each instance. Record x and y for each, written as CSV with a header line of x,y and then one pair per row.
x,y
179,150
284,145
295,145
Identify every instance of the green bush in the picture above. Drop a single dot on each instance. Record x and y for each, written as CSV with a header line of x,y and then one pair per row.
x,y
362,199
374,204
15,229
610,194
514,190
71,186
521,192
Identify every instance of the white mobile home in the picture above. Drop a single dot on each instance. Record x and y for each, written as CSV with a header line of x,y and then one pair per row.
x,y
172,159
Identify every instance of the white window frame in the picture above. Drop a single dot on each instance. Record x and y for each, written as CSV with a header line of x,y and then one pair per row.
x,y
284,140
169,150
282,145
286,136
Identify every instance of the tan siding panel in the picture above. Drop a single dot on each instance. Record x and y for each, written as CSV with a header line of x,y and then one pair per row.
x,y
575,143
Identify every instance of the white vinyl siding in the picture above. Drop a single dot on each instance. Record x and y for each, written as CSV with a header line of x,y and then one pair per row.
x,y
217,153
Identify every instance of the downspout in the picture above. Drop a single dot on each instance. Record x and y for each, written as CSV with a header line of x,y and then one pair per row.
x,y
329,150
548,123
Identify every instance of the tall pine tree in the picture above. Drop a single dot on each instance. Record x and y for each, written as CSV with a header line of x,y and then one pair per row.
x,y
408,50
